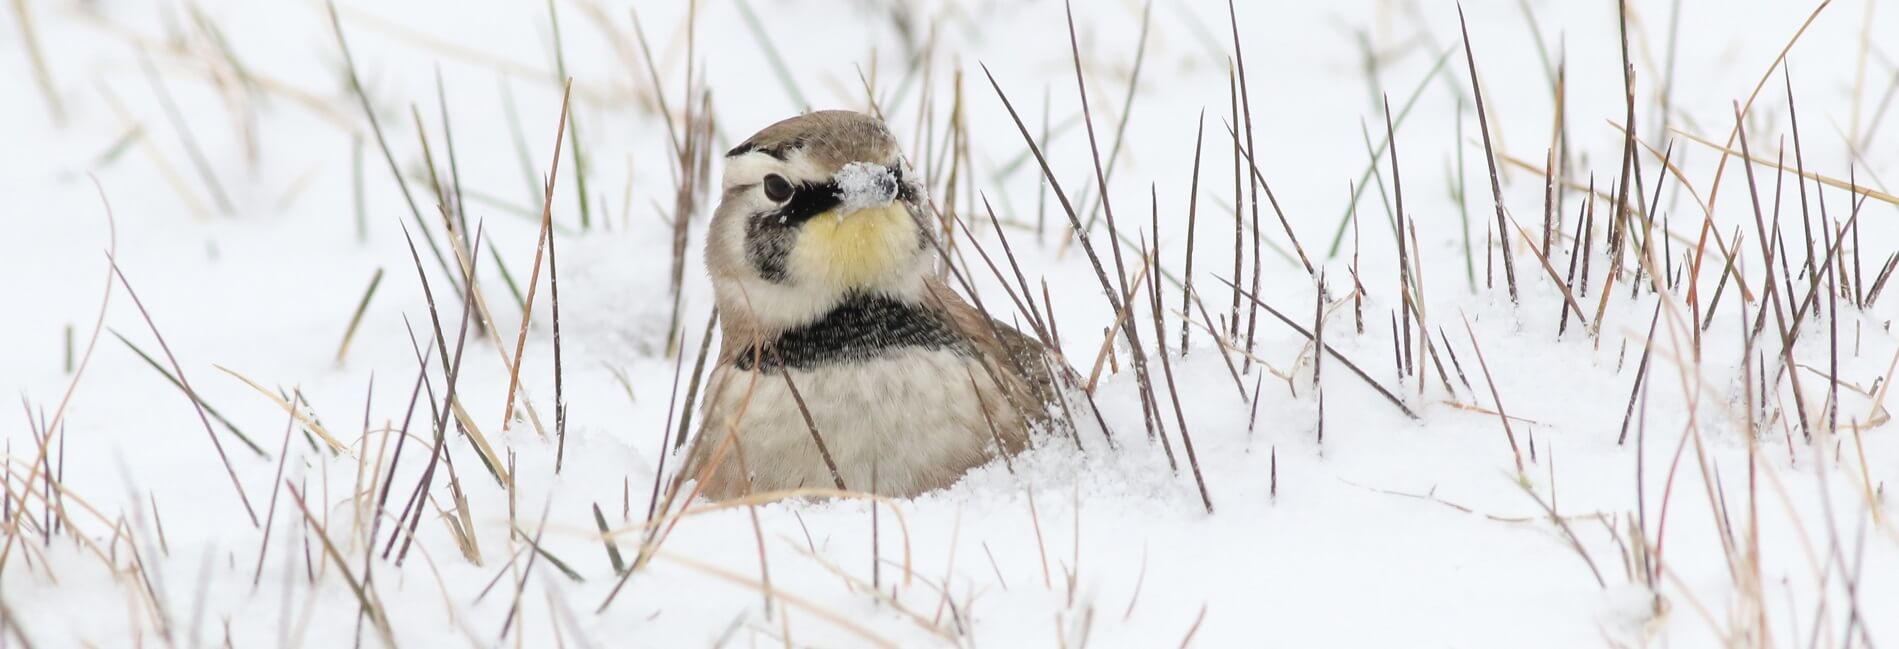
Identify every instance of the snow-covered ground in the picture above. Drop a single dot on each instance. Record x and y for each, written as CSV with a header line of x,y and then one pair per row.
x,y
250,206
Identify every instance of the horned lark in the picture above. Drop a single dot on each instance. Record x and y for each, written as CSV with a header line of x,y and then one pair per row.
x,y
840,340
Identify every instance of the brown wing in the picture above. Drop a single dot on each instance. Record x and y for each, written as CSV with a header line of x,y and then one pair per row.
x,y
1023,364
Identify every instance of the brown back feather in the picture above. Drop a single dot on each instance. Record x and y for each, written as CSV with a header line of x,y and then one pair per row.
x,y
1015,358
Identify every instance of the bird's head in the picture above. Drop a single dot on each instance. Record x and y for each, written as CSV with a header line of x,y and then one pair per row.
x,y
816,208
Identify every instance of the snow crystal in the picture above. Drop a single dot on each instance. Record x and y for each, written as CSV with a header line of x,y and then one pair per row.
x,y
863,185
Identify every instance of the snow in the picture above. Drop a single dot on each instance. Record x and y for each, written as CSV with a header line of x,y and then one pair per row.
x,y
1390,531
862,185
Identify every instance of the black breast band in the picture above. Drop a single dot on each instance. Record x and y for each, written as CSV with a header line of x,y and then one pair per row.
x,y
862,328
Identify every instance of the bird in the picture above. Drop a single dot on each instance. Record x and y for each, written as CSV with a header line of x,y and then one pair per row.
x,y
845,360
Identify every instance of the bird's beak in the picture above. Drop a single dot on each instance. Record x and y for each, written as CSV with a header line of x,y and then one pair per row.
x,y
863,186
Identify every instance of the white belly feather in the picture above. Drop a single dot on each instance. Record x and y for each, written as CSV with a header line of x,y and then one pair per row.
x,y
911,416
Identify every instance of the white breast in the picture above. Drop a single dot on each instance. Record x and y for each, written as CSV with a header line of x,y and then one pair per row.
x,y
912,416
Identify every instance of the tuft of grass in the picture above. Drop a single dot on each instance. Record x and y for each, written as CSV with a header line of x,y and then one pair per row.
x,y
606,538
1167,369
356,319
368,601
1395,401
779,66
1149,406
1127,108
540,246
573,129
1772,295
183,384
42,75
198,160
1346,219
1193,205
270,511
1490,156
375,125
1522,476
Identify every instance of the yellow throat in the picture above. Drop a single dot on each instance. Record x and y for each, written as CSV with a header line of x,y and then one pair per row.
x,y
854,249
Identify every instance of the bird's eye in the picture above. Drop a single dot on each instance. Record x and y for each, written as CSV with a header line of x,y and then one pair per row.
x,y
777,188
